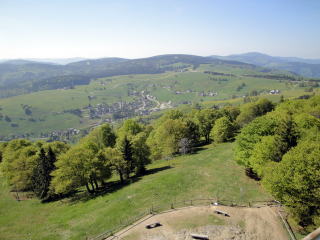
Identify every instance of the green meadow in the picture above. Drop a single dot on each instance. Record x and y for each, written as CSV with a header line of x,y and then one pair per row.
x,y
209,173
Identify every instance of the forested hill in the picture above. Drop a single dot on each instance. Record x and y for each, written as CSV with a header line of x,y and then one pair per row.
x,y
301,66
22,77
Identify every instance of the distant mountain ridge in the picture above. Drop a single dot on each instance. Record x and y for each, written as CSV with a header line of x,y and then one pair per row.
x,y
59,61
23,76
301,66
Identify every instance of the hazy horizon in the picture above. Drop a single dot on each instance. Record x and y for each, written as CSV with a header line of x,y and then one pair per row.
x,y
127,29
93,58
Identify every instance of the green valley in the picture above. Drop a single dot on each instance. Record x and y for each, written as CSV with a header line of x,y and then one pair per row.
x,y
61,113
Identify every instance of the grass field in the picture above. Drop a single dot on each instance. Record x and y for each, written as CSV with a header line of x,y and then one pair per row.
x,y
210,172
49,107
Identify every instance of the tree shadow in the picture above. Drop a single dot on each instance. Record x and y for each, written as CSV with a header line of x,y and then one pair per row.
x,y
197,149
112,186
155,170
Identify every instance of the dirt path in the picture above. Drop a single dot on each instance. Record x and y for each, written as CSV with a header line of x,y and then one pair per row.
x,y
243,224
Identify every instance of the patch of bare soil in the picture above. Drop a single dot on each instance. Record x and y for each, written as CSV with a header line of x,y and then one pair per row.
x,y
242,224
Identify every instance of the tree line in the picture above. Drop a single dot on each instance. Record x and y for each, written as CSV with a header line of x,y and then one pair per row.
x,y
282,148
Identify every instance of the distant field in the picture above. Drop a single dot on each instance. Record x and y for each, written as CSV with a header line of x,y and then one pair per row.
x,y
50,108
210,172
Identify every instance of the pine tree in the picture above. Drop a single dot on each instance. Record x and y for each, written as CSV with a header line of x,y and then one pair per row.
x,y
41,174
125,147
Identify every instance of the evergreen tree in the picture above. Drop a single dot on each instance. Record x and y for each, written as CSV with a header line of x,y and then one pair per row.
x,y
125,147
41,174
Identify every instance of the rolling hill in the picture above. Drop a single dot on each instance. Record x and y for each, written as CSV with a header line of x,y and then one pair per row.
x,y
172,80
301,66
20,76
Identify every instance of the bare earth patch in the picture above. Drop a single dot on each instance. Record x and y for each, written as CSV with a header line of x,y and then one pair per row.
x,y
243,224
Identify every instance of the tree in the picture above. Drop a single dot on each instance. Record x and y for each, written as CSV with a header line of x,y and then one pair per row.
x,y
103,136
287,129
154,145
192,132
269,149
307,126
124,146
116,161
130,127
72,171
41,174
295,181
19,159
82,165
205,119
166,137
222,130
231,112
185,146
2,148
172,114
251,134
251,110
140,153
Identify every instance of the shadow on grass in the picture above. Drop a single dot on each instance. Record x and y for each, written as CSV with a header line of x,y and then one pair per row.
x,y
197,149
112,186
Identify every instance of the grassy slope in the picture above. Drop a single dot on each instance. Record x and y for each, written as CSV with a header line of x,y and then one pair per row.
x,y
208,173
48,106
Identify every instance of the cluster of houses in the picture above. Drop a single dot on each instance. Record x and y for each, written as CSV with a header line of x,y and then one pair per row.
x,y
183,92
207,94
274,91
143,105
61,135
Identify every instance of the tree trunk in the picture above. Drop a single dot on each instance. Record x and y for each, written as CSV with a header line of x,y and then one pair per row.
x,y
207,138
127,174
88,189
95,182
102,182
121,177
91,183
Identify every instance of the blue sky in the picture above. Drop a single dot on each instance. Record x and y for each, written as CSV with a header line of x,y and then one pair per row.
x,y
141,28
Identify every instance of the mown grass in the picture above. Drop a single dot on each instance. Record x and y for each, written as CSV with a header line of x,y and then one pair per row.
x,y
210,172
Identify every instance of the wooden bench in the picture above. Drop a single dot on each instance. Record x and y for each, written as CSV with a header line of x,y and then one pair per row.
x,y
222,213
197,236
153,225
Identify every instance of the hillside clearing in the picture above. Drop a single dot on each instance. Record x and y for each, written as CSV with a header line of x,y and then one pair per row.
x,y
210,172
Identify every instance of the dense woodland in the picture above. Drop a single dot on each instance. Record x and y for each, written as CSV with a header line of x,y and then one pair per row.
x,y
277,144
282,148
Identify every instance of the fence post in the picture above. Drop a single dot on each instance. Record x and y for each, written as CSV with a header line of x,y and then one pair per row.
x,y
172,206
191,202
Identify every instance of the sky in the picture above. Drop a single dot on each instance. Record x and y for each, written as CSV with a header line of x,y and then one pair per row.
x,y
143,28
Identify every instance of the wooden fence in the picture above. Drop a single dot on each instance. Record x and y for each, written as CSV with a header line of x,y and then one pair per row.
x,y
158,209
